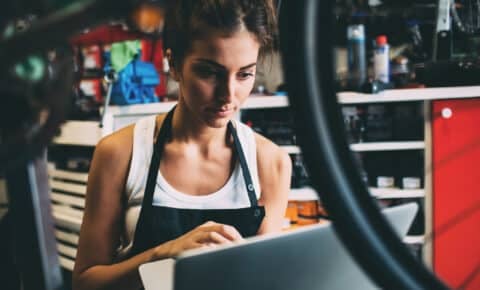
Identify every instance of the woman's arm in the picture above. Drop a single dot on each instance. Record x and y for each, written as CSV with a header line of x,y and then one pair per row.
x,y
275,171
104,216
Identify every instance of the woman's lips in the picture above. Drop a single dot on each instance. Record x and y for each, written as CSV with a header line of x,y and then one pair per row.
x,y
222,112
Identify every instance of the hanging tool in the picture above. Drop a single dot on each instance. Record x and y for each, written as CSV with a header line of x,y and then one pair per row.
x,y
110,77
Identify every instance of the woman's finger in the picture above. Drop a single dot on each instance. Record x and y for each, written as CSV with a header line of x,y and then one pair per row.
x,y
231,233
226,231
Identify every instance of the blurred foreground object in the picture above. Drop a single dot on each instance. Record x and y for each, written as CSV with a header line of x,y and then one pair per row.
x,y
36,83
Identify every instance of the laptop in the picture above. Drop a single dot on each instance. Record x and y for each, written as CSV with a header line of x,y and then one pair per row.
x,y
309,258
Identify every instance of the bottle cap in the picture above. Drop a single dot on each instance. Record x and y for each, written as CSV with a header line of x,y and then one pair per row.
x,y
381,40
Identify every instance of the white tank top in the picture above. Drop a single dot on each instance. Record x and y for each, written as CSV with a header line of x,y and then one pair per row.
x,y
232,195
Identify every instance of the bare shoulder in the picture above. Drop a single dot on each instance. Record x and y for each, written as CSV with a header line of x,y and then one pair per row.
x,y
111,160
113,153
116,145
274,163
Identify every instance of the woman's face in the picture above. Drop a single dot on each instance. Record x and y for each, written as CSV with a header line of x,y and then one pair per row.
x,y
217,76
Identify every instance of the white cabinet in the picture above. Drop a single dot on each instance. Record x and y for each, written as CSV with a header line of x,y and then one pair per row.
x,y
424,95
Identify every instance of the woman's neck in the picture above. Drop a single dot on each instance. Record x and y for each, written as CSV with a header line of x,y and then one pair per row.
x,y
187,128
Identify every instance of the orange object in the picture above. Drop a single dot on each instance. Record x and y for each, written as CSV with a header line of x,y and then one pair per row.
x,y
308,208
307,212
292,212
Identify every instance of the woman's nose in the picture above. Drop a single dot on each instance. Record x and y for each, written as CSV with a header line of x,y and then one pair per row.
x,y
226,89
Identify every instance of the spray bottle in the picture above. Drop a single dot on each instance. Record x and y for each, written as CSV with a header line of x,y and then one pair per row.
x,y
381,60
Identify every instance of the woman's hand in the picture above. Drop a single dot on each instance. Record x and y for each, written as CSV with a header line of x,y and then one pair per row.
x,y
206,235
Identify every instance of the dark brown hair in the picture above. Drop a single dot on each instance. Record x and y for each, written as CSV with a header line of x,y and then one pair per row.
x,y
188,20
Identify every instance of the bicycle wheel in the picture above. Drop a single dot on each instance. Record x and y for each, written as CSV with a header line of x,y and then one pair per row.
x,y
307,45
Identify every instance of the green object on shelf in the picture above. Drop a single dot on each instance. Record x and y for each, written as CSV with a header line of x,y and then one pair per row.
x,y
122,53
32,69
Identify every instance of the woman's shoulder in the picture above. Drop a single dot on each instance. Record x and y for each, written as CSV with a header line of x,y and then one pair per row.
x,y
120,142
271,157
116,146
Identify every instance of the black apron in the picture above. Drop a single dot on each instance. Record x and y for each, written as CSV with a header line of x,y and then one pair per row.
x,y
159,224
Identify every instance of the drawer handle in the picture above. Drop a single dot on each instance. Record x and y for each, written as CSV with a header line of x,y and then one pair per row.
x,y
447,113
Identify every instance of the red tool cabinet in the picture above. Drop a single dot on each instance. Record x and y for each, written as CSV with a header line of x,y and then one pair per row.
x,y
456,192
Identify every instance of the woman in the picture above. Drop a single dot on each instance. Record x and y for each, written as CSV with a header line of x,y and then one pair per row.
x,y
196,177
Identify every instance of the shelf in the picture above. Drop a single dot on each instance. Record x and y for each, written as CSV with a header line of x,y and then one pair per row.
x,y
291,149
68,175
387,146
379,193
68,211
253,102
68,251
68,237
388,193
141,109
407,95
67,199
66,221
303,194
88,133
78,189
66,263
262,102
80,133
420,239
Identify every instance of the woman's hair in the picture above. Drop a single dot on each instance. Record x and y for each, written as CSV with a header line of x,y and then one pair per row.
x,y
189,20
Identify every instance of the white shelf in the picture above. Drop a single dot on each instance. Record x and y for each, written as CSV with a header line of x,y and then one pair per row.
x,y
78,189
68,175
414,239
68,237
308,193
88,133
68,251
260,102
80,133
303,194
387,193
141,109
253,102
68,210
387,146
67,199
66,221
291,149
405,95
66,263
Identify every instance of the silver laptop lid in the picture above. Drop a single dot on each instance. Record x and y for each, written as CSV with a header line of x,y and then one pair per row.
x,y
308,258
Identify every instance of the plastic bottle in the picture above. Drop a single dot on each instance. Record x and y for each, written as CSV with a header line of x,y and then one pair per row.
x,y
357,65
381,59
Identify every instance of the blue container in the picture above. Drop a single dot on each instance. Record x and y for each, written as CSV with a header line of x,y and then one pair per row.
x,y
136,84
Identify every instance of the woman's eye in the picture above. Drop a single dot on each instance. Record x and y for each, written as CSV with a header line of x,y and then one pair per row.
x,y
244,75
206,73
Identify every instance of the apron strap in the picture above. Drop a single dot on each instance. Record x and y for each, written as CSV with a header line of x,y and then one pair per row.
x,y
243,163
163,135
